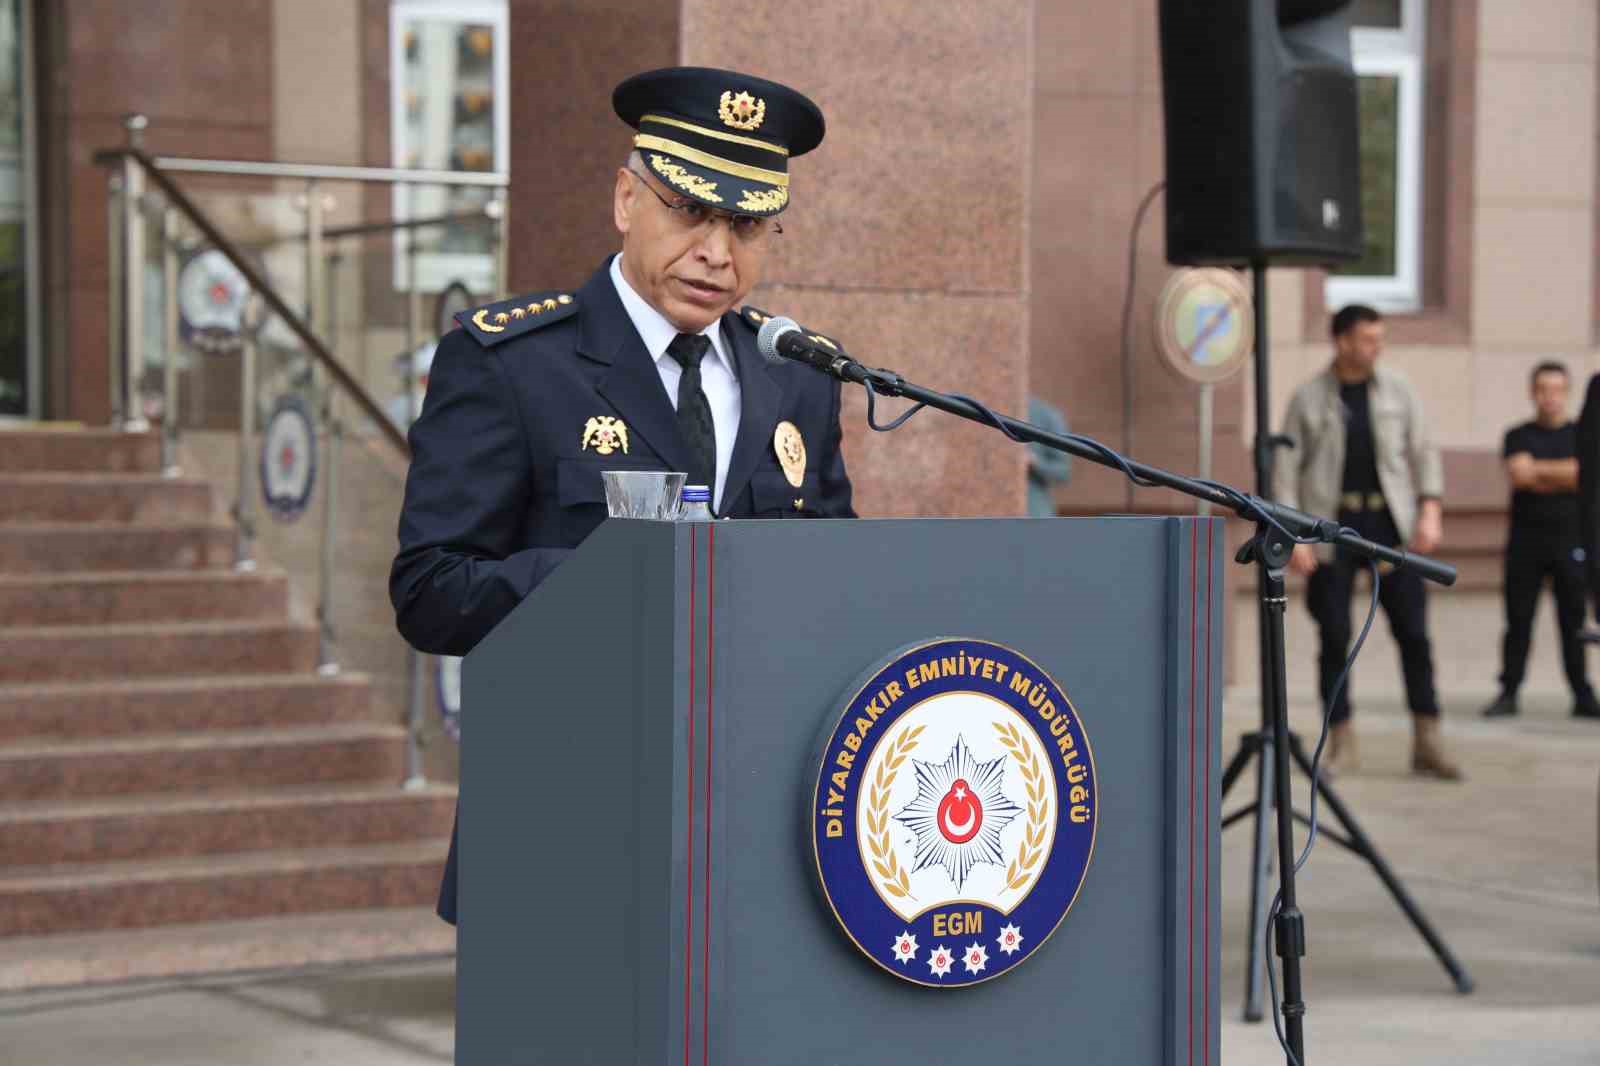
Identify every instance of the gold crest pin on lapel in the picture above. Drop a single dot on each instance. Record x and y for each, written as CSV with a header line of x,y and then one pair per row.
x,y
791,449
607,434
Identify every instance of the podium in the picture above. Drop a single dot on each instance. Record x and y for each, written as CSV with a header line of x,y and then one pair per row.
x,y
639,823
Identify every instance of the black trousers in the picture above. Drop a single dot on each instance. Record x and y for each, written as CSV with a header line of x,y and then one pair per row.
x,y
1532,554
1405,604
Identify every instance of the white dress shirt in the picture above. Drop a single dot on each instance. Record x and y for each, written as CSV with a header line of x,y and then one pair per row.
x,y
718,377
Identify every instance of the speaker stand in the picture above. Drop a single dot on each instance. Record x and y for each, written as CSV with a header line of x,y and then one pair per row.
x,y
1274,747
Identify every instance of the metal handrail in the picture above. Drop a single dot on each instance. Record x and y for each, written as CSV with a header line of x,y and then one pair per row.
x,y
131,169
259,284
332,172
368,229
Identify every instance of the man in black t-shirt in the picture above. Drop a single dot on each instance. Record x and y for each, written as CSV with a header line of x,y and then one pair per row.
x,y
1545,541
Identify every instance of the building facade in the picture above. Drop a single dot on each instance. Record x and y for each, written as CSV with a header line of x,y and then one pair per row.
x,y
968,220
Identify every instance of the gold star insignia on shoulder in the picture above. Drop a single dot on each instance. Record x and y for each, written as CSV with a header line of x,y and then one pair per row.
x,y
755,318
499,322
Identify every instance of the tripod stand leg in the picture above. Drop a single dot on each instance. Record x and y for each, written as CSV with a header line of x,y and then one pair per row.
x,y
1260,881
1240,759
1364,847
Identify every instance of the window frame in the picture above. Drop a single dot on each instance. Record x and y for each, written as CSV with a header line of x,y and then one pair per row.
x,y
437,270
1399,54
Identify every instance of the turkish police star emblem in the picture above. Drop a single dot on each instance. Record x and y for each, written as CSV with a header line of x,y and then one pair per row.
x,y
955,812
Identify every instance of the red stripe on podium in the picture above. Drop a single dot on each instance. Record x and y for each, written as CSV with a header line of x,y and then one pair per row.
x,y
1205,982
688,894
1194,584
705,929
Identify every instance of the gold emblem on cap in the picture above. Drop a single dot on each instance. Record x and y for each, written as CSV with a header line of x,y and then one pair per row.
x,y
480,318
607,434
791,449
742,112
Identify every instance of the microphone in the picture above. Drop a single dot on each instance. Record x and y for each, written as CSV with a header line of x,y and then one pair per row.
x,y
782,338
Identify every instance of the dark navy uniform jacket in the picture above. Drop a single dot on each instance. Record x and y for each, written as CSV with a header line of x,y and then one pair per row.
x,y
501,486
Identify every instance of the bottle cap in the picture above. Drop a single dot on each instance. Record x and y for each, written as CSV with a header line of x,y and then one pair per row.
x,y
696,494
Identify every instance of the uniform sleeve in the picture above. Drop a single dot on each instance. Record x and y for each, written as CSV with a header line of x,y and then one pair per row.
x,y
834,482
458,571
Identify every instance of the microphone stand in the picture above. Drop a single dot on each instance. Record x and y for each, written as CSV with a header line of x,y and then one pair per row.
x,y
1277,530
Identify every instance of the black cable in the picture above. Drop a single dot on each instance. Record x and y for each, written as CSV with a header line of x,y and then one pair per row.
x,y
1311,826
872,411
1127,323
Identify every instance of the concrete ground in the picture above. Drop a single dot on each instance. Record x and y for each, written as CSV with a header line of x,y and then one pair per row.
x,y
1504,864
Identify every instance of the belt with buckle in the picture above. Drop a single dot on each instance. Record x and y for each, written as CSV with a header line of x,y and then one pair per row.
x,y
1362,501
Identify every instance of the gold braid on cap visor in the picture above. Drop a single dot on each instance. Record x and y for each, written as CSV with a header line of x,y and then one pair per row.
x,y
718,135
706,159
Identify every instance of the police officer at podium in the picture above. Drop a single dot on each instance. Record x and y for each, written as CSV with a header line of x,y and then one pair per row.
x,y
649,365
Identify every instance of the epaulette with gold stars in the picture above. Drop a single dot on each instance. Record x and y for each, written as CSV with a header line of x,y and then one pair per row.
x,y
755,318
497,322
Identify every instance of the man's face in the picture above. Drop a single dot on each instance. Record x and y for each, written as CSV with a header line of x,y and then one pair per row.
x,y
1550,396
1359,346
692,274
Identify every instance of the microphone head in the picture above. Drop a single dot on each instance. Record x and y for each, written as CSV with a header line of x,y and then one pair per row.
x,y
767,338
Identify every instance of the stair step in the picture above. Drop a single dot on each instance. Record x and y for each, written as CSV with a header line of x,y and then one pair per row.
x,y
213,888
75,653
151,827
31,547
67,497
75,449
120,597
202,762
30,963
82,709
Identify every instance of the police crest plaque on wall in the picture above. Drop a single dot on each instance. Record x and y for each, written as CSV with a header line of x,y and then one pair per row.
x,y
954,813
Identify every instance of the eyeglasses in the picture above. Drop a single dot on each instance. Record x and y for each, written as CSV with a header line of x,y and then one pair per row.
x,y
692,215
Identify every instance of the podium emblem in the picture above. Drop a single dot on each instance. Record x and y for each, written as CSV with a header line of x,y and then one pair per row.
x,y
954,812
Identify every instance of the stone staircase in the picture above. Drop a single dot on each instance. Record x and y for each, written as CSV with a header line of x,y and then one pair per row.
x,y
179,789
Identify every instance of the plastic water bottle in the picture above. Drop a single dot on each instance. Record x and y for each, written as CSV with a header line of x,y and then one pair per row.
x,y
696,504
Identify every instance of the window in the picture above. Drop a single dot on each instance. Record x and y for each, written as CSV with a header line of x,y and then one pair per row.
x,y
448,111
1387,45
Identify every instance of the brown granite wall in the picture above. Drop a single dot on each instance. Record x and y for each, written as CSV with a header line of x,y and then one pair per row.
x,y
908,233
565,142
206,85
1097,127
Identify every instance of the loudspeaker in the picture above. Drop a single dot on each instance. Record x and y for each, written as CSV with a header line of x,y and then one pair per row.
x,y
1261,131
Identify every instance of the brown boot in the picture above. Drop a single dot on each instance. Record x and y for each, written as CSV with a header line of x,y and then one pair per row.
x,y
1340,757
1428,758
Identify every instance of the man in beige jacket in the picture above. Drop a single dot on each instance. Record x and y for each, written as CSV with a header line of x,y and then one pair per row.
x,y
1361,452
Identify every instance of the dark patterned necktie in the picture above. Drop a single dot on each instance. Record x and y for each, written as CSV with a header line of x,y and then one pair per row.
x,y
694,410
